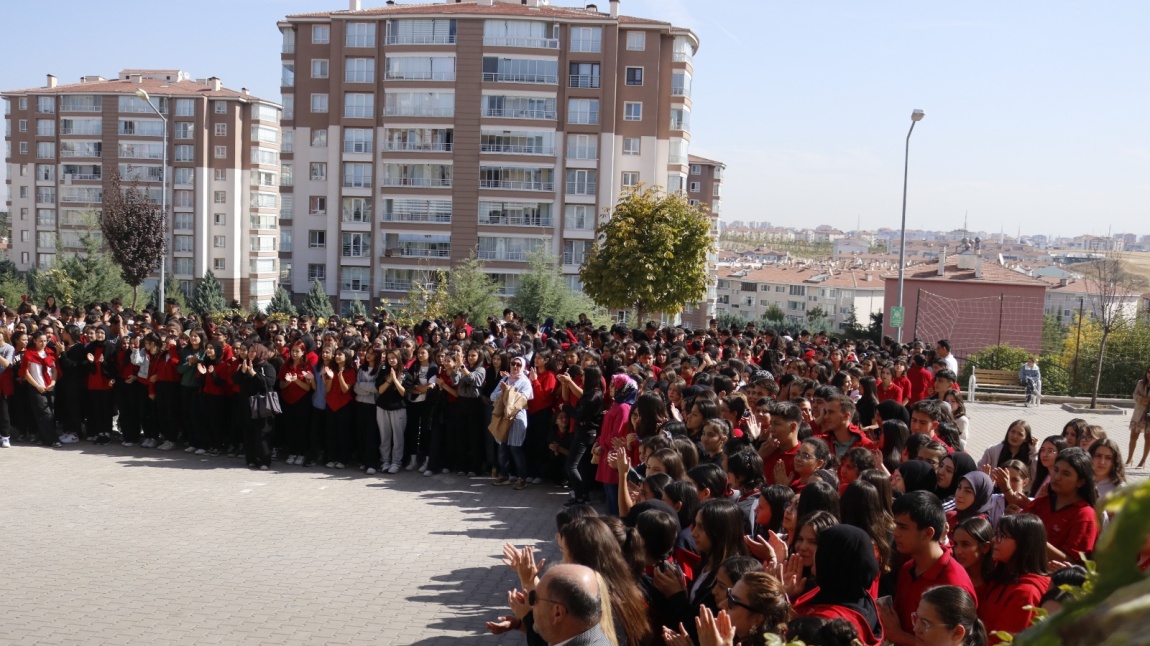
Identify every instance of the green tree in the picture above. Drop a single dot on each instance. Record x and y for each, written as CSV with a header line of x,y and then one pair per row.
x,y
775,314
471,289
1107,283
817,317
174,289
281,303
88,276
356,308
543,292
651,254
316,304
134,230
208,296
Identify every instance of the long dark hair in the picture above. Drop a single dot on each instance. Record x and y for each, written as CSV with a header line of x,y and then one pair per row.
x,y
652,413
894,436
955,607
1080,461
722,521
777,497
590,542
1029,557
1040,471
980,529
818,496
1023,451
862,507
687,496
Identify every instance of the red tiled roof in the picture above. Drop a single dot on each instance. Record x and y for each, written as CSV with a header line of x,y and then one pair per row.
x,y
155,87
695,159
992,272
472,8
1078,286
848,278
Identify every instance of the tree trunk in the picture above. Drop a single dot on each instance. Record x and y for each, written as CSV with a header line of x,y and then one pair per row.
x,y
135,295
1098,369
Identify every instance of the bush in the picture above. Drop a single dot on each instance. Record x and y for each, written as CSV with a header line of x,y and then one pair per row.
x,y
995,357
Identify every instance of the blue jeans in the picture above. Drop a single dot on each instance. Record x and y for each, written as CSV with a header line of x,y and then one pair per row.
x,y
612,492
507,454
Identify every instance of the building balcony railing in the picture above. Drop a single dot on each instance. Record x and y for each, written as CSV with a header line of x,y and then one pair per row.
x,y
420,76
417,181
580,188
79,153
502,41
512,255
64,130
583,80
679,90
677,159
422,39
517,149
680,124
85,176
395,111
418,147
681,57
406,252
435,218
549,115
504,219
570,258
505,77
515,185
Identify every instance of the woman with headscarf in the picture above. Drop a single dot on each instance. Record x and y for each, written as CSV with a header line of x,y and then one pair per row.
x,y
845,569
914,475
972,499
950,470
623,392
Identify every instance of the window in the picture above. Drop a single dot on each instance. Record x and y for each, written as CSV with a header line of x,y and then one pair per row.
x,y
289,106
356,209
586,39
287,206
46,172
184,244
287,77
356,175
636,41
220,242
582,147
520,70
579,217
421,32
360,34
421,104
220,174
519,107
630,145
262,221
266,134
289,141
630,179
680,119
220,219
422,68
221,107
716,190
581,182
45,128
220,197
694,187
319,68
798,290
221,129
320,34
319,138
285,241
680,83
185,129
23,103
220,152
354,279
632,111
319,103
359,70
316,239
575,251
357,140
583,75
519,33
83,103
634,76
185,107
46,239
316,272
318,171
583,111
288,41
47,104
22,125
218,264
23,147
45,150
355,245
529,214
317,205
268,242
46,218
358,105
183,153
696,169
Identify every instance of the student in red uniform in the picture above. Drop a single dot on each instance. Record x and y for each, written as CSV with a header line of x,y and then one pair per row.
x,y
779,449
845,567
167,382
946,616
540,411
295,387
338,379
841,434
1019,578
887,388
902,380
128,392
101,368
1067,510
919,525
214,398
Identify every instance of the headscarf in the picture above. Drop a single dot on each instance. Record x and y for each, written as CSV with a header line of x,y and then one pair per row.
x,y
626,390
983,490
963,464
918,476
845,568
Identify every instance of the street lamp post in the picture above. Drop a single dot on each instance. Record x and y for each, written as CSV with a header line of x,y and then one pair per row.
x,y
915,117
164,193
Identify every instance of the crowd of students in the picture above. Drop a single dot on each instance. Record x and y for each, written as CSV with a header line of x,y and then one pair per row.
x,y
799,486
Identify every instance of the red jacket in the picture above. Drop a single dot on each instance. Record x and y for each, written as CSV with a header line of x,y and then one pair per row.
x,y
164,364
1072,529
294,391
335,397
1000,605
544,392
829,612
893,393
860,439
921,383
97,380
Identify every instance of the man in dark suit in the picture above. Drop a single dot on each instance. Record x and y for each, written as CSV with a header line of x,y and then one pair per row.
x,y
567,607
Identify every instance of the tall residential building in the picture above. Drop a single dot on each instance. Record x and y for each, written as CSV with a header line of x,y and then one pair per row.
x,y
705,188
418,135
63,141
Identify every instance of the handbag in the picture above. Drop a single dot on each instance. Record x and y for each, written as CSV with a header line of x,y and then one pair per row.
x,y
265,405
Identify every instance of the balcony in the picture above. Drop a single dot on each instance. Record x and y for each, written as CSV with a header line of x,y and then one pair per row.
x,y
403,111
581,188
417,181
87,177
515,219
516,185
571,258
679,90
583,80
680,56
508,77
414,146
421,39
412,216
417,252
507,41
549,115
419,75
512,256
518,149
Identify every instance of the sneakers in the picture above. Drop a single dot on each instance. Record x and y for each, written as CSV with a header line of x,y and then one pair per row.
x,y
128,444
501,480
340,465
295,459
148,443
329,465
57,445
370,471
263,467
536,481
190,449
471,474
385,467
520,484
427,473
201,452
275,455
309,463
394,469
68,438
102,439
423,467
447,471
167,446
5,443
411,465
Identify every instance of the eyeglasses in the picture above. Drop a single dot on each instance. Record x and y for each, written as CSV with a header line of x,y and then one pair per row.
x,y
733,601
805,456
533,596
919,624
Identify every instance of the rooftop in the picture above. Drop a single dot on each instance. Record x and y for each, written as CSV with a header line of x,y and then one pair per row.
x,y
153,86
695,159
991,273
812,275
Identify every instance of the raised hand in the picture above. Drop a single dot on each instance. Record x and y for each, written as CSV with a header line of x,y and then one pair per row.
x,y
780,474
793,580
668,579
714,631
501,625
680,638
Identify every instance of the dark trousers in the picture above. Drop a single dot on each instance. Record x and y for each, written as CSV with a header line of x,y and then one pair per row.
x,y
445,427
130,406
297,423
317,432
40,413
168,409
339,429
580,447
148,420
190,407
538,431
367,435
240,413
5,422
213,421
101,405
417,437
256,442
71,400
470,439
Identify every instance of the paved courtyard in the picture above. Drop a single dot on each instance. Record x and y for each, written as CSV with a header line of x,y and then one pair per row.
x,y
108,545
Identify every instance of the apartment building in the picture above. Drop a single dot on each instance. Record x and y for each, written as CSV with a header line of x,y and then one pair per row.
x,y
798,290
1068,296
705,188
63,141
417,135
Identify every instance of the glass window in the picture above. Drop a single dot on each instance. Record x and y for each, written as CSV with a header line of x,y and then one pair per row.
x,y
586,39
636,41
583,111
319,68
634,76
320,34
632,111
359,70
319,102
360,34
357,105
631,145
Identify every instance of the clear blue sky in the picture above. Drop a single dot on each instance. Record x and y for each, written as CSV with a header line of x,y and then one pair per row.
x,y
1036,111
